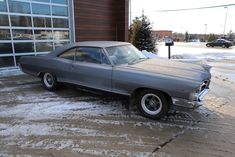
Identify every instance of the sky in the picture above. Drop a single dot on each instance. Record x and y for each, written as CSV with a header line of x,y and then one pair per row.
x,y
194,21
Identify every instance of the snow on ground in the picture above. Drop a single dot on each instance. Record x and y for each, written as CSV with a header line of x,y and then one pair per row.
x,y
10,72
55,109
196,50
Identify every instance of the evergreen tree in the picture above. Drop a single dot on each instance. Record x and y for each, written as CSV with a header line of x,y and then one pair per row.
x,y
140,34
212,37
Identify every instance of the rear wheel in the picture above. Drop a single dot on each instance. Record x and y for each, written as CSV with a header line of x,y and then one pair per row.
x,y
152,104
207,45
223,46
49,81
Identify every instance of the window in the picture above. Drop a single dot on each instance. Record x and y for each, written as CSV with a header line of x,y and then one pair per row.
x,y
61,35
41,9
32,27
44,46
60,23
5,48
3,6
19,34
19,7
59,11
60,43
43,35
126,54
104,59
70,54
47,1
21,21
59,1
24,47
42,22
91,55
4,20
5,34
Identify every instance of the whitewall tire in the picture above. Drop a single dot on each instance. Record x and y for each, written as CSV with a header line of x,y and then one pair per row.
x,y
152,104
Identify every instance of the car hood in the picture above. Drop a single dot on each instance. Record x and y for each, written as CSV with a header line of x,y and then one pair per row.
x,y
173,68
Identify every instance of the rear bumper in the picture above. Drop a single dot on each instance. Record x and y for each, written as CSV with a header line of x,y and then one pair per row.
x,y
189,103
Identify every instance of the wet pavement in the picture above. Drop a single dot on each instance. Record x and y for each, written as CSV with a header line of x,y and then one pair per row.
x,y
72,122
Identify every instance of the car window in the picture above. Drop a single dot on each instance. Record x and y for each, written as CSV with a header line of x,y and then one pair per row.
x,y
89,54
70,54
104,59
125,54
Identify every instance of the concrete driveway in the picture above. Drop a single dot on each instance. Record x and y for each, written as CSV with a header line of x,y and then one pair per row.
x,y
71,122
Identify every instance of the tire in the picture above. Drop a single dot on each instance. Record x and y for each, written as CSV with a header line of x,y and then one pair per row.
x,y
223,46
49,81
207,45
152,104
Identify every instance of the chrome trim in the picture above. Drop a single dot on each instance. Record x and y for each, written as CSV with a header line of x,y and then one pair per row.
x,y
202,94
189,103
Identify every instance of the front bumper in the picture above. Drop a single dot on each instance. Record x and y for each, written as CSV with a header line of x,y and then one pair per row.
x,y
189,103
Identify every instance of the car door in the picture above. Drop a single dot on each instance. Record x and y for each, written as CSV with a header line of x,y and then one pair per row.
x,y
219,43
63,64
91,68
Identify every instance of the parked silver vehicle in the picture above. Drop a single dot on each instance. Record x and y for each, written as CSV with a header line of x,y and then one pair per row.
x,y
118,67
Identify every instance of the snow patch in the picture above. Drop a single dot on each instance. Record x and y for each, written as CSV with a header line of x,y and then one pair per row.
x,y
33,111
25,129
10,72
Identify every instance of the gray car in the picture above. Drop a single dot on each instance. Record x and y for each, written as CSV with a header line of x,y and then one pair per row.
x,y
118,67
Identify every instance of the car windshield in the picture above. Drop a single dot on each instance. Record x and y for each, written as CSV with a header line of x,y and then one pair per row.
x,y
126,54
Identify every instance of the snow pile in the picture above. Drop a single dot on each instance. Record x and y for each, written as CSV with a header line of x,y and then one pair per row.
x,y
213,56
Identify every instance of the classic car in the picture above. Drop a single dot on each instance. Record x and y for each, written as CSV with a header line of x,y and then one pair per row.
x,y
154,85
220,42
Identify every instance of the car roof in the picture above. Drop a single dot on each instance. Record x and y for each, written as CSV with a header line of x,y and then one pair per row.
x,y
101,44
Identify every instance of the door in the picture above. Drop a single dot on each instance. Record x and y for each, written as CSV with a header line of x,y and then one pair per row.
x,y
219,43
63,65
91,68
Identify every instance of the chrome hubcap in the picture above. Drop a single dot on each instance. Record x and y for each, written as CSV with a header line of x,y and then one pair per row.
x,y
48,80
151,104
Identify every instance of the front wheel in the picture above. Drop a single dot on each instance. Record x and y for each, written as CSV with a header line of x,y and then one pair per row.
x,y
152,104
49,81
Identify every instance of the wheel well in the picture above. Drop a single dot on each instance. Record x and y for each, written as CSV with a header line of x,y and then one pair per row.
x,y
138,90
40,74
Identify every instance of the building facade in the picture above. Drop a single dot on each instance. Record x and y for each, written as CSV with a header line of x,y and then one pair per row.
x,y
35,27
161,34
